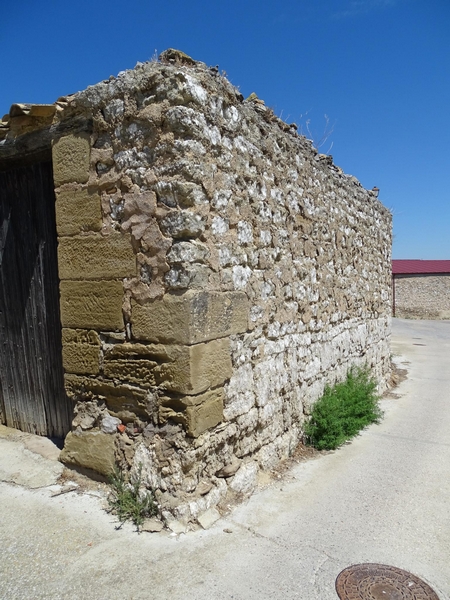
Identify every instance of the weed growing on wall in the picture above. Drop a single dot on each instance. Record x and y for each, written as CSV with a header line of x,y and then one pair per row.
x,y
343,411
128,502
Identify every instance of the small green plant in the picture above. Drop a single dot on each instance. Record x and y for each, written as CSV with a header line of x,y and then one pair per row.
x,y
128,502
343,411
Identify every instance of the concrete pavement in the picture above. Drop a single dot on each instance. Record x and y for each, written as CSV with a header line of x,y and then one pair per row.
x,y
383,498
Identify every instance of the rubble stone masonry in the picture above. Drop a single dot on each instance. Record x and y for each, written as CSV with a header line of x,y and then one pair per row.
x,y
216,273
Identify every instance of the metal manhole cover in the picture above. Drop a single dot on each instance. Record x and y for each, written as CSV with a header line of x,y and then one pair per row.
x,y
381,582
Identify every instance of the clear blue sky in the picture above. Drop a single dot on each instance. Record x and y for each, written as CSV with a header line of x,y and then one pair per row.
x,y
380,70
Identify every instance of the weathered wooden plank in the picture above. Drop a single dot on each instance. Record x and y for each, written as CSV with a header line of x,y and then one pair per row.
x,y
31,375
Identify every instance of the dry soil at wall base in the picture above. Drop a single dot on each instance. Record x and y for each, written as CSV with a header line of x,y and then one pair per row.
x,y
381,499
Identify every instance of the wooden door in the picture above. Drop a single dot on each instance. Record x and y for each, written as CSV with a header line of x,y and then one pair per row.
x,y
32,394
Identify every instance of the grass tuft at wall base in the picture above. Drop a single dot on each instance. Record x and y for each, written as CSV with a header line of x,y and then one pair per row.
x,y
343,411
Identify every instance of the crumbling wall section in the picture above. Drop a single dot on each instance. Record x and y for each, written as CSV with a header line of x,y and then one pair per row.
x,y
216,272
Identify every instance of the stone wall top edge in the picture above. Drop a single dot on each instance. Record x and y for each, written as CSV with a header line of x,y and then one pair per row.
x,y
137,80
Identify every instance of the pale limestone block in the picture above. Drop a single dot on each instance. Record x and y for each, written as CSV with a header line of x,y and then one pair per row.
x,y
109,424
177,526
152,526
244,482
238,405
182,224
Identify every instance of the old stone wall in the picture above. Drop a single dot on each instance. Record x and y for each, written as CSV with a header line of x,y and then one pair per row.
x,y
216,273
422,296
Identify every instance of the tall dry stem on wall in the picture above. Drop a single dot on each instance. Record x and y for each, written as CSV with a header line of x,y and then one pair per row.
x,y
318,140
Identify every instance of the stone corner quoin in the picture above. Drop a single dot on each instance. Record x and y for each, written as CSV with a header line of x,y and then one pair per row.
x,y
216,273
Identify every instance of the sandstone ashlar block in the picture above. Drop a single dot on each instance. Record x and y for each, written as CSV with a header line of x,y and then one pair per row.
x,y
194,369
195,413
206,415
71,155
90,450
92,305
77,210
96,257
134,363
81,351
42,110
191,318
139,371
182,369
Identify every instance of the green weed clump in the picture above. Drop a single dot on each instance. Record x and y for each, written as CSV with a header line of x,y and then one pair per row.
x,y
128,502
343,411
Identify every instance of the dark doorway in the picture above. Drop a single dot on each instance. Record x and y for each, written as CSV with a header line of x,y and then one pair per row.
x,y
32,396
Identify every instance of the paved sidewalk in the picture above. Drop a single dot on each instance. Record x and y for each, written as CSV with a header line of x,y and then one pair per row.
x,y
383,498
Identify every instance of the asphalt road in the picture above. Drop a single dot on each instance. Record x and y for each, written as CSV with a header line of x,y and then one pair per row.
x,y
384,498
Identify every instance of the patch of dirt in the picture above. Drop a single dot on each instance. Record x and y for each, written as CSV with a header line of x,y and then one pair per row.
x,y
81,483
283,470
301,454
397,376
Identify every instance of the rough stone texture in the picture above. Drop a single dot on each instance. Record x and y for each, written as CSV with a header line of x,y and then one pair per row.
x,y
244,481
109,424
96,257
181,369
422,296
91,450
191,318
261,272
71,156
116,397
81,351
194,369
140,372
77,210
197,413
92,305
205,415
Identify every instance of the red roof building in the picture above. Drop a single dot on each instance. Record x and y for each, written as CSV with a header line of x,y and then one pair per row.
x,y
421,288
419,267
